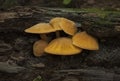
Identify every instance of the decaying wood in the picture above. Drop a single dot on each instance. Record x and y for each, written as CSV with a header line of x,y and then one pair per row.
x,y
19,18
92,74
5,67
5,48
19,47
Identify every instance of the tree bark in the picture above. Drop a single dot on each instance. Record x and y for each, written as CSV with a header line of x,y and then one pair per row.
x,y
19,18
5,67
16,45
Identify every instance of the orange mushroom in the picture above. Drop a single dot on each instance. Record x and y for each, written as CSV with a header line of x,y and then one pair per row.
x,y
62,46
38,47
85,41
68,26
55,23
42,29
64,24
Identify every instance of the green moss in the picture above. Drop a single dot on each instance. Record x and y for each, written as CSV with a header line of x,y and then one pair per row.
x,y
100,12
103,22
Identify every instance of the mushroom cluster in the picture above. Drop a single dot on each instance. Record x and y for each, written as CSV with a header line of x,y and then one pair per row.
x,y
73,44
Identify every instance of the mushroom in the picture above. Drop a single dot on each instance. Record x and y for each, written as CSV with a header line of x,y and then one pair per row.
x,y
68,26
64,24
42,29
62,46
85,41
55,23
38,47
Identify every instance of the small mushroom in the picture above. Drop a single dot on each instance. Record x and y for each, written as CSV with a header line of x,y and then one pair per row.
x,y
38,47
68,26
85,41
55,23
64,24
62,46
42,29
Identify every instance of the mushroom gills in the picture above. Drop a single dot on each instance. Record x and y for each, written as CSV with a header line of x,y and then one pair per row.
x,y
62,46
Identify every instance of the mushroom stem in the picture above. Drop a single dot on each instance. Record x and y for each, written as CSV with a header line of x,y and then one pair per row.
x,y
44,37
57,34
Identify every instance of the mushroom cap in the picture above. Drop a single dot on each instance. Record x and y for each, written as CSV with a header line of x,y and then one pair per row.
x,y
55,23
85,41
38,47
40,28
68,26
62,46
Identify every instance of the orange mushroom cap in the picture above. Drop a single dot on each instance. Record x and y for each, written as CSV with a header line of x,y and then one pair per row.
x,y
68,26
62,46
38,47
40,28
60,23
85,41
55,23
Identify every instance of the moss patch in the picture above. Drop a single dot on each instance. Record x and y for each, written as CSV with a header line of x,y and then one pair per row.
x,y
100,12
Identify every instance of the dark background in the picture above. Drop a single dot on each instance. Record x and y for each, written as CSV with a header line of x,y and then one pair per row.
x,y
59,3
